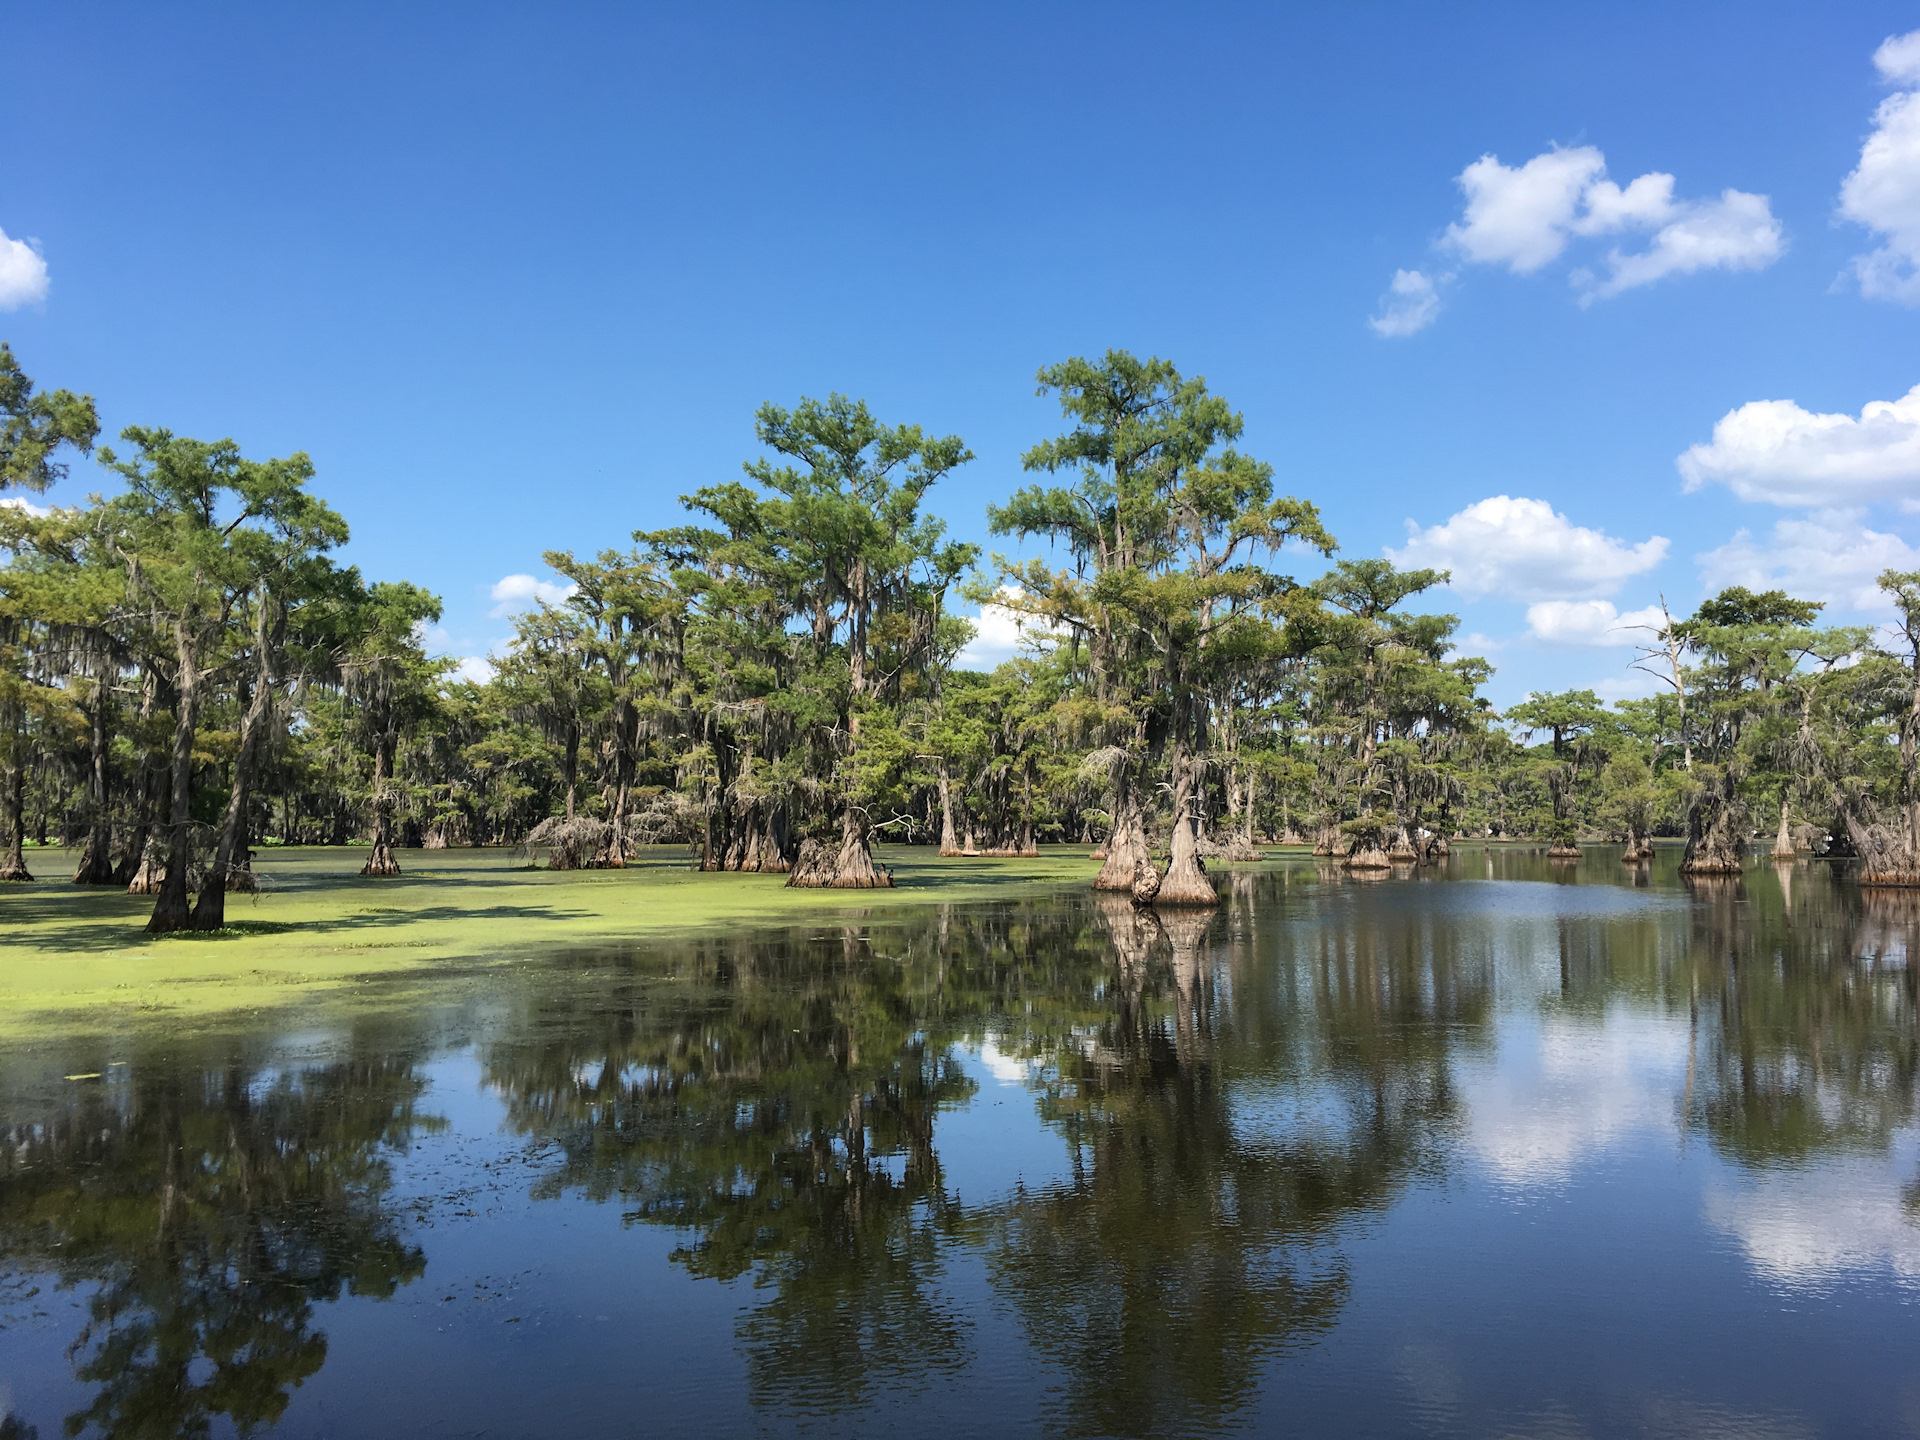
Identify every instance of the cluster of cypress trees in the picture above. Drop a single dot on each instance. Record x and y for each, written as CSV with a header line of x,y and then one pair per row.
x,y
186,672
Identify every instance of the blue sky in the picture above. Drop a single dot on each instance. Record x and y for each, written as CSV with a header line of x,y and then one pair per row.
x,y
517,279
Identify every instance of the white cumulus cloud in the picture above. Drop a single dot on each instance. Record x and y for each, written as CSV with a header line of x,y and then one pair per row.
x,y
1523,549
1828,556
1590,622
477,668
23,273
1521,216
1411,303
20,502
1775,451
1525,216
1000,633
1883,192
521,592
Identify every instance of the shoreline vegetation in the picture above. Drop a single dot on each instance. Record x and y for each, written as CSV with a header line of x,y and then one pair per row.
x,y
318,928
779,687
317,924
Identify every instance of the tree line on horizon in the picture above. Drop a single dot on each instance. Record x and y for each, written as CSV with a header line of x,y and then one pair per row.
x,y
187,672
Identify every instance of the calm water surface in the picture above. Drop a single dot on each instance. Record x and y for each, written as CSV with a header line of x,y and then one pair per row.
x,y
1499,1150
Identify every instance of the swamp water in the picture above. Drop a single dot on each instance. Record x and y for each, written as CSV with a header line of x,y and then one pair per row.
x,y
1498,1149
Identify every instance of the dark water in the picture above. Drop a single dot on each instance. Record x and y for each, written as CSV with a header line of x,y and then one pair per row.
x,y
1503,1151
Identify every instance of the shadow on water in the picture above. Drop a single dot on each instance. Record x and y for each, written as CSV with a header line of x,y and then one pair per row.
x,y
1235,1093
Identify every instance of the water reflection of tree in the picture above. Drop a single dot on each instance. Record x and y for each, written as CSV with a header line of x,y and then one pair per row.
x,y
1194,1241
209,1208
776,1100
1807,1031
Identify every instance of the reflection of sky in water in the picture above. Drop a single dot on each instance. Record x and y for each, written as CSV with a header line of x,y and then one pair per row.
x,y
1562,1091
1816,1227
997,1142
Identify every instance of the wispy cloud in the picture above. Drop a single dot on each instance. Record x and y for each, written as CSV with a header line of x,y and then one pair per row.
x,y
513,593
1412,303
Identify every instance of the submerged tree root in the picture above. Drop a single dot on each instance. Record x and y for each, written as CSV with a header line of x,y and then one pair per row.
x,y
1711,865
1902,878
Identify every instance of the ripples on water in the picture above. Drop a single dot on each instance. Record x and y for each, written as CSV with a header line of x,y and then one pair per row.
x,y
1498,1150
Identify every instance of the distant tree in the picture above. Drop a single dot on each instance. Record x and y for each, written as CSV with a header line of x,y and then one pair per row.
x,y
1164,522
1750,644
1577,724
832,540
1374,661
394,684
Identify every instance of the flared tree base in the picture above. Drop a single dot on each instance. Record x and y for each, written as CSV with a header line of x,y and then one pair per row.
x,y
1711,865
1368,857
1122,867
851,867
1894,879
381,865
93,871
1185,889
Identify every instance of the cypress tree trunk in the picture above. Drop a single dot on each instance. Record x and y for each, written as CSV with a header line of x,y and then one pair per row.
x,y
949,841
14,866
1715,826
96,861
210,912
1127,845
1783,842
854,868
612,854
1564,846
1185,883
381,863
819,867
170,910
